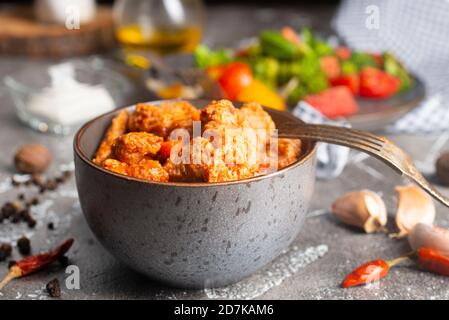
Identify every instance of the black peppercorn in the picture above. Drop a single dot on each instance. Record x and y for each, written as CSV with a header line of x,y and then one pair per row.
x,y
24,246
53,288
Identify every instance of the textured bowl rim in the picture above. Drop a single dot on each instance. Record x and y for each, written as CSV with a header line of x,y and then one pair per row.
x,y
77,141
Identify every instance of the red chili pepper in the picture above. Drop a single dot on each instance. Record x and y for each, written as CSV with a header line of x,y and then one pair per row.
x,y
35,263
433,261
370,272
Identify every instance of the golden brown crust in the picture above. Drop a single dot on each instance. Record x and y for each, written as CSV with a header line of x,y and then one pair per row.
x,y
149,170
289,151
116,166
134,146
235,156
163,119
116,129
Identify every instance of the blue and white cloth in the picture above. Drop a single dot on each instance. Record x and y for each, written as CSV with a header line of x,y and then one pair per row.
x,y
331,159
417,32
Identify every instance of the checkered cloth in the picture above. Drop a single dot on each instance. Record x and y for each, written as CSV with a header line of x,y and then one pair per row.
x,y
331,158
415,31
418,33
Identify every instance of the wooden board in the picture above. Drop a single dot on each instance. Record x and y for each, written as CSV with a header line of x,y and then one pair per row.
x,y
21,34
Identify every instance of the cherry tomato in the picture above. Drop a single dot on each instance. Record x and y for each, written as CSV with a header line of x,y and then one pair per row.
x,y
236,76
352,81
343,53
375,83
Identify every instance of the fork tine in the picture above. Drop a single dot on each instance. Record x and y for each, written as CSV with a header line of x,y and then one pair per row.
x,y
379,147
330,135
338,130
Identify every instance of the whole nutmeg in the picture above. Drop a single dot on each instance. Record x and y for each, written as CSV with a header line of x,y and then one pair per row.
x,y
32,158
443,168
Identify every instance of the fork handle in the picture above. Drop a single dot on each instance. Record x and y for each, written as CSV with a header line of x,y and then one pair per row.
x,y
348,137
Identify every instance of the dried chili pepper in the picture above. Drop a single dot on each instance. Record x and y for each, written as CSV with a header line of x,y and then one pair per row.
x,y
370,272
433,261
35,263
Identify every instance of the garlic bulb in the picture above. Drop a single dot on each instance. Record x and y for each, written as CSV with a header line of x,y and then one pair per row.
x,y
433,237
414,206
363,209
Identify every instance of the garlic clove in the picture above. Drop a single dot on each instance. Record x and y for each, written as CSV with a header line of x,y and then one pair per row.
x,y
363,209
414,206
433,237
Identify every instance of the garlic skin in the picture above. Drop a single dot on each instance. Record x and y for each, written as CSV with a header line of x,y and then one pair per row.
x,y
414,206
433,237
363,209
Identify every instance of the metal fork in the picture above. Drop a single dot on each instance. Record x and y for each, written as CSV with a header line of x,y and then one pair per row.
x,y
379,147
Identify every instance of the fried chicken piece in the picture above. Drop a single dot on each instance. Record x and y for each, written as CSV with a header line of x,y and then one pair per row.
x,y
145,169
134,146
219,115
116,166
206,163
116,129
254,116
163,119
289,151
149,170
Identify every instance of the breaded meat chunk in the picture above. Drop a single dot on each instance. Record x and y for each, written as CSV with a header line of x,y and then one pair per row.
x,y
116,166
149,170
134,146
289,151
163,119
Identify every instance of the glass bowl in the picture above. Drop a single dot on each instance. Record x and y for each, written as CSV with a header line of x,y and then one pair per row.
x,y
59,103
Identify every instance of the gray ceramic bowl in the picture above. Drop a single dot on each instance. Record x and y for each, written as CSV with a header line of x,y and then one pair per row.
x,y
193,235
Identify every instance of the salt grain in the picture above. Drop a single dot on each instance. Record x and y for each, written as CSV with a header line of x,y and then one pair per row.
x,y
260,283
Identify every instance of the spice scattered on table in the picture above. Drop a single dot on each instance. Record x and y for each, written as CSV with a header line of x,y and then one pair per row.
x,y
5,251
32,158
63,261
363,209
36,263
24,245
442,168
53,288
19,210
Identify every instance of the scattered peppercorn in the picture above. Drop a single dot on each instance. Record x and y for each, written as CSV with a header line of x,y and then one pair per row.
x,y
63,261
21,196
9,209
24,246
53,288
31,222
5,251
50,226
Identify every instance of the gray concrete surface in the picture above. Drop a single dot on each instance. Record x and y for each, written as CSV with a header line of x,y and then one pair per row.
x,y
312,268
